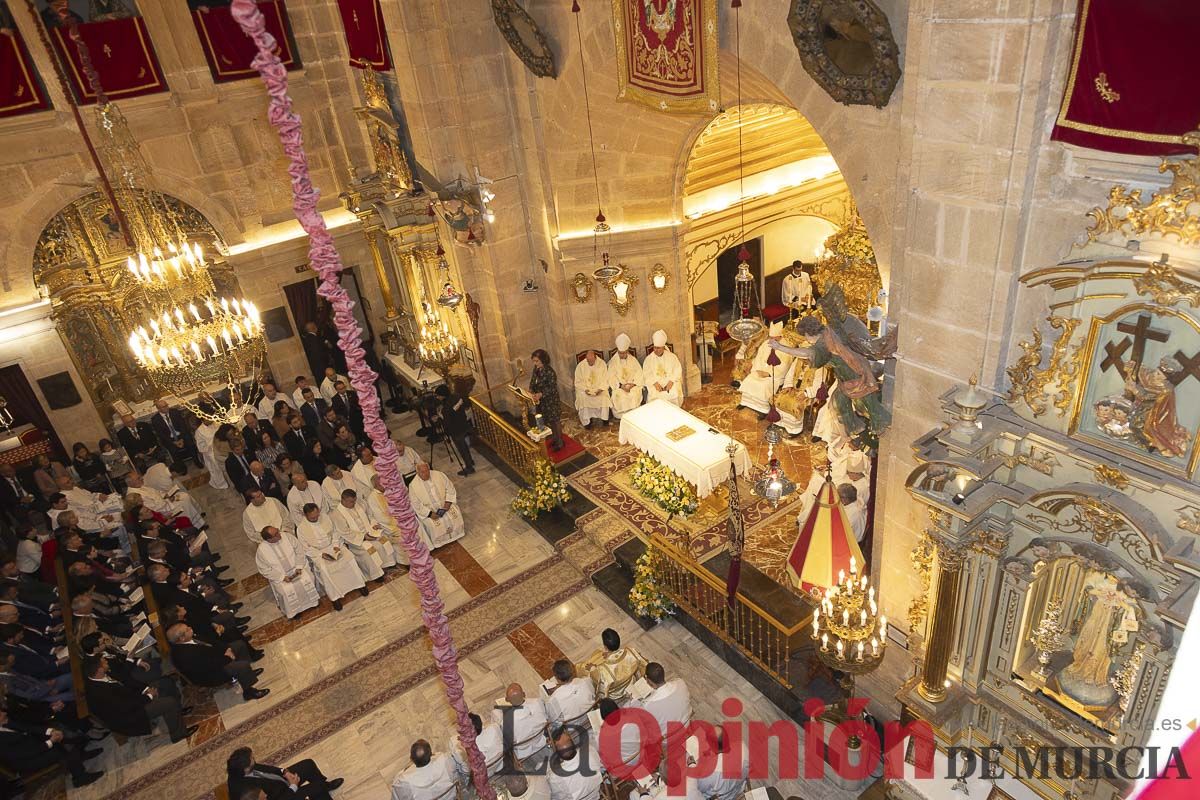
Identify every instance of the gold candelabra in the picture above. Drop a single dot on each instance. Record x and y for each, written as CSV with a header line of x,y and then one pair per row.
x,y
1048,637
439,349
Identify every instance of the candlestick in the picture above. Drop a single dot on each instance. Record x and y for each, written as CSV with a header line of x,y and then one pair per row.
x,y
839,648
824,641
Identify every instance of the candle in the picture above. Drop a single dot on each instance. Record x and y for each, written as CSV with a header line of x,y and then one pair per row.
x,y
824,641
862,618
839,648
882,628
871,594
841,575
845,617
816,625
860,651
863,583
853,564
874,646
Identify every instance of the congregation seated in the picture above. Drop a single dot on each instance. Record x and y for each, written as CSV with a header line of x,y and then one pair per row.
x,y
129,709
247,778
260,478
92,472
214,620
568,697
568,777
529,724
268,404
29,586
207,664
428,777
26,748
668,701
613,668
137,439
88,616
489,740
27,687
37,658
38,636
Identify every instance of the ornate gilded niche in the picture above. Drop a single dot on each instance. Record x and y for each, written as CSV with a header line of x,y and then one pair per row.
x,y
1060,556
78,261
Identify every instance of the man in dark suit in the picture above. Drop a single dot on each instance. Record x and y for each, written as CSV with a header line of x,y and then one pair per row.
x,y
298,439
458,428
173,432
345,403
138,438
316,349
254,428
327,430
313,408
301,780
263,480
16,498
208,618
237,463
29,661
26,748
131,710
212,665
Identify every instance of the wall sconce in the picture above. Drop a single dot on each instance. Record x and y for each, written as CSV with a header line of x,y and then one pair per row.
x,y
581,288
659,278
621,289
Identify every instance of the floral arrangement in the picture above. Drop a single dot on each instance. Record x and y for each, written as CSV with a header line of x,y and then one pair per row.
x,y
547,490
672,493
646,598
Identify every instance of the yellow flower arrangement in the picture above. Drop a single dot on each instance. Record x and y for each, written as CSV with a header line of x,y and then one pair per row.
x,y
646,598
669,491
547,490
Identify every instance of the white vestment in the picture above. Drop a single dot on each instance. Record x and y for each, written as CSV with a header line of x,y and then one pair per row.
x,y
757,390
157,476
364,474
206,447
662,370
571,782
828,428
378,513
406,462
338,577
796,290
183,503
271,512
622,371
491,745
298,498
856,515
591,391
528,725
727,780
328,390
353,526
333,488
298,397
90,507
671,702
432,781
276,561
428,496
570,701
266,406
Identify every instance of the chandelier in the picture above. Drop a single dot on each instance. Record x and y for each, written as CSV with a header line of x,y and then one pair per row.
x,y
438,348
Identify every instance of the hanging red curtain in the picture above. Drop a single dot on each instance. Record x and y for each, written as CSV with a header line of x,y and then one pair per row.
x,y
1128,89
229,51
21,90
366,36
302,298
121,53
24,405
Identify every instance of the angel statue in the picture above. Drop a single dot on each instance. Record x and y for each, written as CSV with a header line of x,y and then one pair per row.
x,y
848,350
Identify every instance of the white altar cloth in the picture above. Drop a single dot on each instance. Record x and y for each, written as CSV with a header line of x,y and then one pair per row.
x,y
699,458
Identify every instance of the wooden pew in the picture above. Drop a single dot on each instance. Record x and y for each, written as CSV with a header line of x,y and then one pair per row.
x,y
77,682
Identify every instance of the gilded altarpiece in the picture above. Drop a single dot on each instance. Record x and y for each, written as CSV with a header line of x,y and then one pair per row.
x,y
1060,556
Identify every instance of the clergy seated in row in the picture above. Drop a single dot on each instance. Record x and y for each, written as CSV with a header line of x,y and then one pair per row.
x,y
567,778
281,559
271,396
174,502
262,511
363,469
332,560
336,482
568,697
95,512
436,504
206,662
624,378
592,400
366,539
489,739
613,668
375,503
530,719
668,700
246,778
407,460
305,492
766,374
428,777
329,382
662,372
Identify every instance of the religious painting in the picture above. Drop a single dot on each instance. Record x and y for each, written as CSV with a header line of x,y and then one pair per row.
x,y
59,390
667,54
117,42
229,50
277,325
1141,392
848,48
366,37
22,91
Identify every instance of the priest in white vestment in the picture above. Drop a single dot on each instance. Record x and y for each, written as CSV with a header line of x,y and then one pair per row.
x,y
624,379
763,380
407,459
174,503
591,390
434,499
280,559
158,476
662,373
271,396
329,384
855,508
302,493
363,470
364,540
828,428
93,512
336,482
796,291
851,465
298,393
206,446
262,512
375,504
335,567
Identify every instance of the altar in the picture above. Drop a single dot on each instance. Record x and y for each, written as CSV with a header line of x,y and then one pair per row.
x,y
683,443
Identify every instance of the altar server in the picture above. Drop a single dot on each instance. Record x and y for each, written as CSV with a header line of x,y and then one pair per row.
x,y
206,436
336,569
336,482
375,504
363,539
624,378
302,493
261,512
763,380
591,390
280,559
169,504
434,499
796,291
662,373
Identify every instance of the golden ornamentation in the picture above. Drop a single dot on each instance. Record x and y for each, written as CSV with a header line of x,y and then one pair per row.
x,y
1189,519
990,542
680,433
1029,382
850,263
581,288
387,151
950,557
620,291
1124,678
1095,517
921,559
659,278
1039,460
1106,92
1171,212
1110,476
373,91
1163,284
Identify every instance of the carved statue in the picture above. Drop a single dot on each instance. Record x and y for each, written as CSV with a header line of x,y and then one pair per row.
x,y
1154,419
1110,612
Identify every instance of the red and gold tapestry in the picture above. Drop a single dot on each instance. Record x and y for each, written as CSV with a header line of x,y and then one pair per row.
x,y
229,51
1130,88
120,51
667,54
366,36
20,89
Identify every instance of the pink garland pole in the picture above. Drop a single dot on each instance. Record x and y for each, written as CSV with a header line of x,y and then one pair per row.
x,y
324,258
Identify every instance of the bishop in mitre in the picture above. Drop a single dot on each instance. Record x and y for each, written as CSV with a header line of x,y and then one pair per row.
x,y
852,465
624,378
613,668
591,390
796,292
380,516
766,374
662,373
302,493
434,499
281,559
262,512
364,539
335,567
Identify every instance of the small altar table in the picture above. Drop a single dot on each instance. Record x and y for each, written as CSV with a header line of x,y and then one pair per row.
x,y
659,429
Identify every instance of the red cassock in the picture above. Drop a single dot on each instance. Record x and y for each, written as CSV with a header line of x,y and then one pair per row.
x,y
825,545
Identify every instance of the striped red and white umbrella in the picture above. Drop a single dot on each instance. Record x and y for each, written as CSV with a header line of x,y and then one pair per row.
x,y
825,545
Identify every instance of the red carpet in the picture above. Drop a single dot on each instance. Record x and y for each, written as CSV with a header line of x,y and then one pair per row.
x,y
570,449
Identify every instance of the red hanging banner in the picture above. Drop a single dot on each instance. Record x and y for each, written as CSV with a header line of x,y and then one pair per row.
x,y
366,36
229,51
667,53
1129,90
121,52
20,89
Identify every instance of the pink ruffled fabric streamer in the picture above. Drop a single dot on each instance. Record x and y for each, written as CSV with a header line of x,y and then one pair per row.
x,y
324,258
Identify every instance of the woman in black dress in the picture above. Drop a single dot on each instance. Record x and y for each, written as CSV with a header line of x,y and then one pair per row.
x,y
543,385
92,472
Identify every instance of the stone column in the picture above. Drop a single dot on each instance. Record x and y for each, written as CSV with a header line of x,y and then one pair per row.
x,y
381,273
944,616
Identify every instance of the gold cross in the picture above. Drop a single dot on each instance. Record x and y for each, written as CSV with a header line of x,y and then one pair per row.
x,y
107,51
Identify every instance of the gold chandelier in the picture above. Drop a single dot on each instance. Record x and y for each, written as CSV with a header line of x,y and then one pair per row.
x,y
438,348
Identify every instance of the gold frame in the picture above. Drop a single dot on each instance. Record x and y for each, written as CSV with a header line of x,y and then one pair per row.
x,y
629,278
1077,406
581,281
656,271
